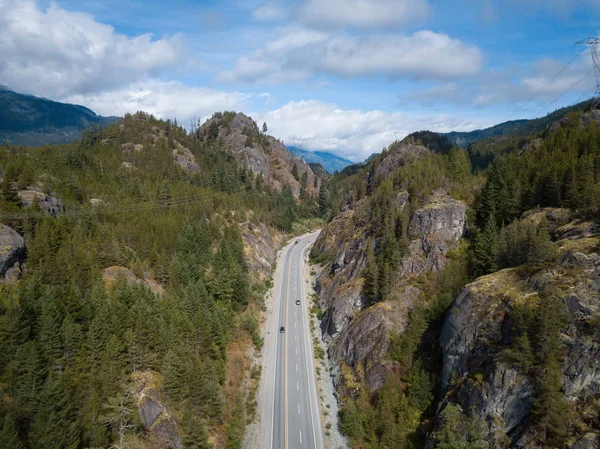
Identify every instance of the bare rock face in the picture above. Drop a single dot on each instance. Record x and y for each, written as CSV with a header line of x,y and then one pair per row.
x,y
185,158
262,154
357,333
131,147
396,156
367,339
110,275
584,119
49,204
478,330
12,253
590,440
160,424
95,202
434,230
260,247
128,166
340,284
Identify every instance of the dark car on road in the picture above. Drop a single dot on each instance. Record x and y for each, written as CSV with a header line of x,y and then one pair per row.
x,y
281,330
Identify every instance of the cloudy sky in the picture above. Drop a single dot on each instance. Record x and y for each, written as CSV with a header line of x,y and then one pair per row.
x,y
346,76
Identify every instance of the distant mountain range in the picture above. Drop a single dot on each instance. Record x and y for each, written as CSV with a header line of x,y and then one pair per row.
x,y
34,121
513,127
330,162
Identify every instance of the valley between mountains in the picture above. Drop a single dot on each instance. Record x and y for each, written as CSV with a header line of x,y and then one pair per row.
x,y
165,288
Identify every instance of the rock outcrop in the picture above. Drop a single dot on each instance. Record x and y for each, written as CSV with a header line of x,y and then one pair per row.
x,y
185,158
359,334
397,155
478,331
340,283
12,253
433,231
264,155
34,195
260,247
110,275
161,426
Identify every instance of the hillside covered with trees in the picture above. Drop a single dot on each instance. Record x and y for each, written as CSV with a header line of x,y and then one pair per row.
x,y
136,291
34,121
458,304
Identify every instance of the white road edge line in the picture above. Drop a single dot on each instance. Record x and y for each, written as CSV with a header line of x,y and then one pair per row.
x,y
310,359
278,303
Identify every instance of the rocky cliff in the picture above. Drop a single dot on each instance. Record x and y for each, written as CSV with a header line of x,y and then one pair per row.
x,y
12,253
358,332
260,247
162,430
262,154
36,196
479,372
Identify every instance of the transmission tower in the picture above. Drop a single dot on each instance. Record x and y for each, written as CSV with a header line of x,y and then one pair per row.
x,y
592,43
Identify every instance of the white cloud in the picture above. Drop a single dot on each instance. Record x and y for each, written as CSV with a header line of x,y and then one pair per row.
x,y
57,52
375,14
536,84
353,133
163,99
296,53
560,7
269,11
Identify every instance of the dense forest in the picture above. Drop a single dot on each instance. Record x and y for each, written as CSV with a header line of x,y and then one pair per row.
x,y
560,170
74,347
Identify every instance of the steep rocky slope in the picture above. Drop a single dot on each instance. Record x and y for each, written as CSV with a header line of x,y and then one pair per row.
x,y
12,253
482,370
239,135
359,333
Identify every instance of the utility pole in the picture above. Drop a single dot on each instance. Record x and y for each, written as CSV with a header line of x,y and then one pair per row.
x,y
592,43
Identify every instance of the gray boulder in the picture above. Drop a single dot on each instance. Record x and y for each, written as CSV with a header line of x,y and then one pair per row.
x,y
49,204
12,251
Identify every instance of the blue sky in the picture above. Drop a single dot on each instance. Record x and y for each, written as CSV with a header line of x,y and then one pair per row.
x,y
347,76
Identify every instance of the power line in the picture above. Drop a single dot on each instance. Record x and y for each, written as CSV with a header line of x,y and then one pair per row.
x,y
593,43
564,92
544,86
197,200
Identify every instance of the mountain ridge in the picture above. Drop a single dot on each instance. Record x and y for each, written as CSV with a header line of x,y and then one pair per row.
x,y
35,121
331,162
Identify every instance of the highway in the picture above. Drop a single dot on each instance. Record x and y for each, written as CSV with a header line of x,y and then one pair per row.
x,y
290,417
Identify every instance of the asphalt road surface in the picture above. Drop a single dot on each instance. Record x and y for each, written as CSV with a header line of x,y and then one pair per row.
x,y
293,408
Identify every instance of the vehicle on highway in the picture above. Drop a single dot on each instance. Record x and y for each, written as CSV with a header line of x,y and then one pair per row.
x,y
281,330
297,302
296,242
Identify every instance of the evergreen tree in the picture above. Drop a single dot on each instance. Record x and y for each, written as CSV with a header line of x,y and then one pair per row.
x,y
119,414
449,435
49,330
371,274
55,425
324,202
9,438
486,247
265,128
241,289
475,432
